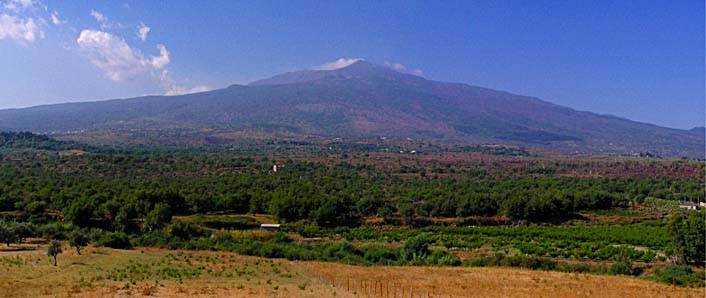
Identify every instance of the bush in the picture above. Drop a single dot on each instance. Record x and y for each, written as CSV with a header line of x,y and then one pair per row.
x,y
678,275
573,267
623,268
528,262
114,240
55,231
415,246
181,230
341,250
380,255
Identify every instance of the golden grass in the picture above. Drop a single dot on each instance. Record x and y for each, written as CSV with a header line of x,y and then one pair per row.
x,y
102,272
492,282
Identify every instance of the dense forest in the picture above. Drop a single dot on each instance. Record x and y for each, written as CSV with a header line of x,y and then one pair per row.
x,y
110,191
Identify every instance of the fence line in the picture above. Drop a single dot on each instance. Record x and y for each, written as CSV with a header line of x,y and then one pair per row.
x,y
376,288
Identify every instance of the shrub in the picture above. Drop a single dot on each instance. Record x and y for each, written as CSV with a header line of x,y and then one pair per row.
x,y
573,267
55,230
379,255
181,230
529,262
678,275
623,268
415,246
340,250
114,240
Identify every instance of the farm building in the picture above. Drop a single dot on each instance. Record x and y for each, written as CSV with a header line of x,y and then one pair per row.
x,y
689,207
269,227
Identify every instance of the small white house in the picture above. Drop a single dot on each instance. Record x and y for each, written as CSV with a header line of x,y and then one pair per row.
x,y
689,207
269,227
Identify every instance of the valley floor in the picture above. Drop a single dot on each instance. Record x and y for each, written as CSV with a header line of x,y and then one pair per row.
x,y
141,272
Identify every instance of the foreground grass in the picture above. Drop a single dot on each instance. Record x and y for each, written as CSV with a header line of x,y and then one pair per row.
x,y
101,272
491,282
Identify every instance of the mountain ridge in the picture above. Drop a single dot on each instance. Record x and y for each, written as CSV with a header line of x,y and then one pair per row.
x,y
362,100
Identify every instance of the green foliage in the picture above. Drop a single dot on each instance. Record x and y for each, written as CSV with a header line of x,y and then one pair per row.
x,y
623,268
55,230
679,275
54,249
28,140
7,234
528,262
160,215
114,240
115,191
415,246
78,239
688,233
380,255
227,222
22,230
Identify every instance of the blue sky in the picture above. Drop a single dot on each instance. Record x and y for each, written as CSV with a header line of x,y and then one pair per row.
x,y
643,60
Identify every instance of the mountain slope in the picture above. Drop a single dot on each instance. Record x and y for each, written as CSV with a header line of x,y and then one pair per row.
x,y
363,100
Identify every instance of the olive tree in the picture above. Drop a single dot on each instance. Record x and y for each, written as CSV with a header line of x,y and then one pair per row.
x,y
78,239
54,250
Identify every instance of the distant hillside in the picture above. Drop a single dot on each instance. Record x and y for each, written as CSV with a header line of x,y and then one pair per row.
x,y
28,140
359,101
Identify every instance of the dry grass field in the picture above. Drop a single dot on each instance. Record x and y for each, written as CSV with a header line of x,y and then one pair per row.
x,y
491,282
101,272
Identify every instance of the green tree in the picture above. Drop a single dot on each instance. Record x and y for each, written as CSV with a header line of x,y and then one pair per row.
x,y
22,230
158,217
7,234
415,246
688,233
54,250
406,213
78,239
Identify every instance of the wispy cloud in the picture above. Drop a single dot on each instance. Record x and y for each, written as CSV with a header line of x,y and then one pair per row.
x,y
55,18
404,69
103,20
142,31
172,88
19,5
340,63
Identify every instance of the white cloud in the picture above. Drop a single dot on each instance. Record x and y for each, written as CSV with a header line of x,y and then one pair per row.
x,y
162,60
403,69
19,29
116,58
142,31
18,5
55,18
340,63
119,61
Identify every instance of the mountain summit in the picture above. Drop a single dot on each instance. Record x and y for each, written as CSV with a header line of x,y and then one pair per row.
x,y
357,70
359,100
